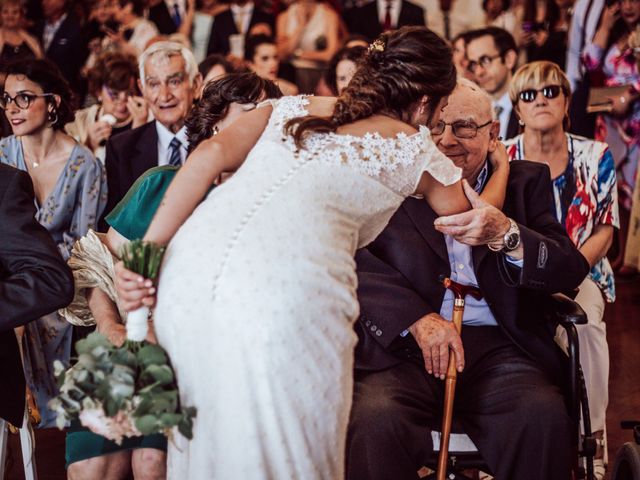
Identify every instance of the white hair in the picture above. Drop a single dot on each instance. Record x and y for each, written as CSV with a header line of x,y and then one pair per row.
x,y
166,50
471,85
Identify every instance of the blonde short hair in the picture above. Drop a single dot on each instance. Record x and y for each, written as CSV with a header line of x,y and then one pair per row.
x,y
537,75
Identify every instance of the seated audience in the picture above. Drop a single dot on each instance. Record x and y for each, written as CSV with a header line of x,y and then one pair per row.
x,y
342,67
15,41
370,19
261,53
70,193
135,31
112,81
509,394
170,82
232,26
583,177
609,52
60,34
492,56
215,66
89,455
34,281
308,38
545,29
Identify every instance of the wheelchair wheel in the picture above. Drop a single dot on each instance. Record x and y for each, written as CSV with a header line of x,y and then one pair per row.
x,y
627,464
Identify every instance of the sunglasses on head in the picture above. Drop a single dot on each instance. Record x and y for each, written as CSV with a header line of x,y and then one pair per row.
x,y
549,92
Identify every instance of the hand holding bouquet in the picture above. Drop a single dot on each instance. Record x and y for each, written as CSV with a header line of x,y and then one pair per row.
x,y
124,391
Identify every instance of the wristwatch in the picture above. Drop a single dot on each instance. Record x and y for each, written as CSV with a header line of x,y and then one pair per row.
x,y
510,241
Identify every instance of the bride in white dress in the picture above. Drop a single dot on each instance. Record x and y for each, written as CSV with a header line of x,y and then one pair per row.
x,y
257,296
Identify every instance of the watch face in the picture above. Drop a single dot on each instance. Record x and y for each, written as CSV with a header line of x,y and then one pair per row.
x,y
511,241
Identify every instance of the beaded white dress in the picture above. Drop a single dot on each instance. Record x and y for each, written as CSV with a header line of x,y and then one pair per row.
x,y
257,298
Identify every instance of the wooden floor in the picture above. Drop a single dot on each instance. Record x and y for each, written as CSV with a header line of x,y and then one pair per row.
x,y
623,331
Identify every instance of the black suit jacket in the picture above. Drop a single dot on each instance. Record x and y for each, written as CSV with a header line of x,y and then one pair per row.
x,y
398,275
34,281
159,14
67,50
365,20
224,26
128,155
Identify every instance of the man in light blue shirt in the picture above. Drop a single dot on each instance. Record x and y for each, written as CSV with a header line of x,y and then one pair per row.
x,y
508,397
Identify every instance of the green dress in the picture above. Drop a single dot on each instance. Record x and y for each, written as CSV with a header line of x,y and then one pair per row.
x,y
131,219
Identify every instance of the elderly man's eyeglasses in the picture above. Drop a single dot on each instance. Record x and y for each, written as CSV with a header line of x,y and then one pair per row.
x,y
549,92
22,100
461,129
484,61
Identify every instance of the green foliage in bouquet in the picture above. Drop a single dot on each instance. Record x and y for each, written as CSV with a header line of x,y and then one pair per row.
x,y
123,391
143,258
134,387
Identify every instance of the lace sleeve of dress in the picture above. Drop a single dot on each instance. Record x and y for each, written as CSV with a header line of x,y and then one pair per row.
x,y
286,108
435,162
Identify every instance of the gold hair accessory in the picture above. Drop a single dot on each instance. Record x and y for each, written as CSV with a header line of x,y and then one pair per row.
x,y
377,46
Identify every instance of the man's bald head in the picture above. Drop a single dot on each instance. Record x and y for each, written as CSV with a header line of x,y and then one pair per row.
x,y
469,109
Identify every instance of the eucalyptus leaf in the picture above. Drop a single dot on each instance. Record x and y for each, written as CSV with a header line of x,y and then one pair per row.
x,y
147,424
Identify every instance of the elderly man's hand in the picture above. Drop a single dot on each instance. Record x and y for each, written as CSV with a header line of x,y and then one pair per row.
x,y
434,335
483,224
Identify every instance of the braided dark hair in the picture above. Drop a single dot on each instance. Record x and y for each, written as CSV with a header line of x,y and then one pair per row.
x,y
400,68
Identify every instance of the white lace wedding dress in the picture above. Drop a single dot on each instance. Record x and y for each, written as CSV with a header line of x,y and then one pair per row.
x,y
257,298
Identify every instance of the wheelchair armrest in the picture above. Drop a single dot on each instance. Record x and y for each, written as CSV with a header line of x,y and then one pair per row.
x,y
564,311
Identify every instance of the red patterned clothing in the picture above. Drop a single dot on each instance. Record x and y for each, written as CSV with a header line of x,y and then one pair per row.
x,y
586,195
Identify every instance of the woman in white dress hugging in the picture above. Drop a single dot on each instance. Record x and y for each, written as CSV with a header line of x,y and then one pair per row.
x,y
257,296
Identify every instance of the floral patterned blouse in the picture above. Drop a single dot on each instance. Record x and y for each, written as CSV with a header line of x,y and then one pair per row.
x,y
586,195
76,201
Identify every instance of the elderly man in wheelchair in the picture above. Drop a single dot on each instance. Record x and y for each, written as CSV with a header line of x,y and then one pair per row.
x,y
513,382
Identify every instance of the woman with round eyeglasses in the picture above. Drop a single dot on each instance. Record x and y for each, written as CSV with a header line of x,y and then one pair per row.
x,y
70,191
586,203
112,81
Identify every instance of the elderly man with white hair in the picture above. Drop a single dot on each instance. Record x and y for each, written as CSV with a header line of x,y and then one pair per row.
x,y
509,396
170,82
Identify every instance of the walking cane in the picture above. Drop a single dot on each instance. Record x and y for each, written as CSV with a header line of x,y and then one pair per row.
x,y
459,292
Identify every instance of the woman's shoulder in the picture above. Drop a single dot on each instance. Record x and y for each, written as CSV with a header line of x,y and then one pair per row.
x,y
83,160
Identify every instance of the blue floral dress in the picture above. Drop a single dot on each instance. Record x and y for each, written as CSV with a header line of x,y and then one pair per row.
x,y
71,209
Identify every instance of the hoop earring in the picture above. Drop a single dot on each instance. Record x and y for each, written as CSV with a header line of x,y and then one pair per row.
x,y
54,120
520,122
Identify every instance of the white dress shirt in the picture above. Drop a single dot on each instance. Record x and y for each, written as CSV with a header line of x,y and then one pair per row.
x,y
50,30
396,5
164,139
242,16
505,103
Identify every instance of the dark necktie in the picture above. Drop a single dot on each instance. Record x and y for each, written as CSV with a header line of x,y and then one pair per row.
x,y
386,25
498,109
176,15
174,148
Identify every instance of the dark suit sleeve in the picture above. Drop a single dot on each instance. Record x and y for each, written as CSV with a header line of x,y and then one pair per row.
x,y
551,262
388,303
216,38
37,280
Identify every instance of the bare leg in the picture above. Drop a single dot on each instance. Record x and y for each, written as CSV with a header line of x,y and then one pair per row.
x,y
149,464
114,466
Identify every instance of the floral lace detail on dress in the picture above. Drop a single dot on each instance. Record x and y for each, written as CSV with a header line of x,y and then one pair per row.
x,y
397,162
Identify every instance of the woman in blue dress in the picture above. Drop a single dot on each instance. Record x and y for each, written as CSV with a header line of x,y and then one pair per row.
x,y
70,190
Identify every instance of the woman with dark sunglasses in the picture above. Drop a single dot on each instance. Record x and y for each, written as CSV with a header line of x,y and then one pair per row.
x,y
586,203
70,189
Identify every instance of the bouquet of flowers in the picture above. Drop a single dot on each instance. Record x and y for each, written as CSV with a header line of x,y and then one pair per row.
x,y
124,391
